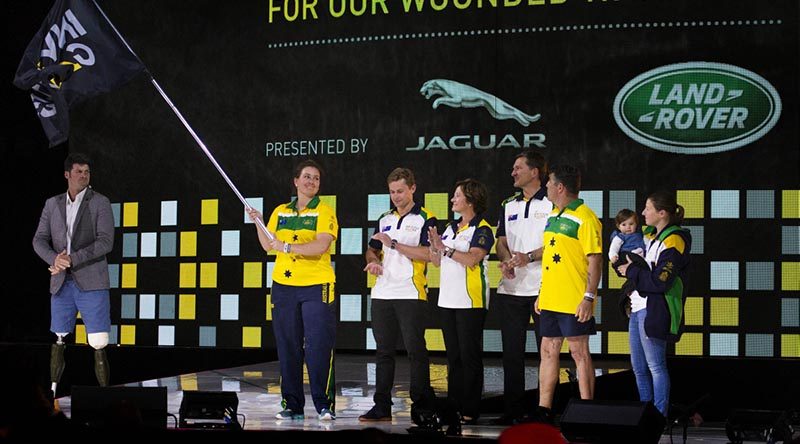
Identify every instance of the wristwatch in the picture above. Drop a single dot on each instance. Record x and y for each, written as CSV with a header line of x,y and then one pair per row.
x,y
530,257
394,244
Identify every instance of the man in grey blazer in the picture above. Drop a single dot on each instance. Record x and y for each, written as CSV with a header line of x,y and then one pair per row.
x,y
76,231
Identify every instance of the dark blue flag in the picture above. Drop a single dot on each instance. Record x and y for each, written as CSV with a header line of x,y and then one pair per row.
x,y
75,55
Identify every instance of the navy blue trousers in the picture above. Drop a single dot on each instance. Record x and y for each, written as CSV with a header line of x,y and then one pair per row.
x,y
304,322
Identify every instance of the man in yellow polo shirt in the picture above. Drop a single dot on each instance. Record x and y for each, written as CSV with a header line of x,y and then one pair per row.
x,y
571,267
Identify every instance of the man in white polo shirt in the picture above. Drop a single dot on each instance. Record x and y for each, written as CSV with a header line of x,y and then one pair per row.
x,y
398,256
520,231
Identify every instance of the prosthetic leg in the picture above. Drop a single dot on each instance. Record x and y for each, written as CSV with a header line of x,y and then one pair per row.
x,y
57,361
102,371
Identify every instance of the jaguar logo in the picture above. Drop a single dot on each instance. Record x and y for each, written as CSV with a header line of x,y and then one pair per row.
x,y
459,95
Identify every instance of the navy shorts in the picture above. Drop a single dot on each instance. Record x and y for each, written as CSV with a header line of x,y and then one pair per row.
x,y
553,324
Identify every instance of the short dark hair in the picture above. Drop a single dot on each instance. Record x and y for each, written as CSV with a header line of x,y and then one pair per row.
x,y
73,158
666,201
567,175
476,194
535,160
298,169
401,174
625,214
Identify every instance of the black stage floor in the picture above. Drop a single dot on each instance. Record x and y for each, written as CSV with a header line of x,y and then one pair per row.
x,y
258,391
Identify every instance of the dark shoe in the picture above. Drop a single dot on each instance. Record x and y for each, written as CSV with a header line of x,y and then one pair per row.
x,y
543,415
375,414
453,429
506,420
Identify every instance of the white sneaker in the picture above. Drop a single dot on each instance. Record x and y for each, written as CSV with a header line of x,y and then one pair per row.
x,y
327,415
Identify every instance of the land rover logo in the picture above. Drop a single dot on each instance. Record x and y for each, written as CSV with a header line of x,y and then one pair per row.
x,y
697,108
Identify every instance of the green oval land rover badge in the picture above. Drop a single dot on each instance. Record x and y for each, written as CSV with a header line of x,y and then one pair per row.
x,y
697,108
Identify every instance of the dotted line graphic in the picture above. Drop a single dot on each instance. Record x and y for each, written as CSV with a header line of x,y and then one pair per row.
x,y
527,30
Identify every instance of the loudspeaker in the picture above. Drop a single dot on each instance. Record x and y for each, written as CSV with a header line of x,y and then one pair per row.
x,y
120,406
612,422
756,425
209,410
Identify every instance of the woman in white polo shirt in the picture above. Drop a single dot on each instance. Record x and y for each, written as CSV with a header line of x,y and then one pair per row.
x,y
462,253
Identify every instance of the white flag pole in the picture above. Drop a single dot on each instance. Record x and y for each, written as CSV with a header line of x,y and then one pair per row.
x,y
188,127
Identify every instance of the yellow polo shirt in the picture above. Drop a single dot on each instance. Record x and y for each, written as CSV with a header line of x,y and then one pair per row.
x,y
569,236
302,227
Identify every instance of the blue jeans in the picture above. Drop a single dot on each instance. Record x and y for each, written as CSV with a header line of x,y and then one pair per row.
x,y
649,360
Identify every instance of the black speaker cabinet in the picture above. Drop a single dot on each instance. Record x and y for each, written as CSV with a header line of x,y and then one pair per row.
x,y
209,410
119,406
612,422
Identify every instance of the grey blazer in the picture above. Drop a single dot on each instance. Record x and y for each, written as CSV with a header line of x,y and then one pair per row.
x,y
92,239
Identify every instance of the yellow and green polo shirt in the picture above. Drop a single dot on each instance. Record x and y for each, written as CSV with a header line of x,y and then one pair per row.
x,y
302,227
570,235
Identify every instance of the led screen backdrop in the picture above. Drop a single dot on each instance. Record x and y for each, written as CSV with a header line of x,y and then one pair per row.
x,y
697,97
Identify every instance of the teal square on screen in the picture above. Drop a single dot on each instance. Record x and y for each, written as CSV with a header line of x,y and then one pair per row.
x,y
619,200
790,240
166,306
594,199
724,275
208,337
116,210
377,204
350,308
113,335
760,204
230,243
724,344
369,308
759,345
130,244
169,213
128,306
530,342
724,204
698,238
168,242
350,241
759,275
166,335
492,342
790,312
113,275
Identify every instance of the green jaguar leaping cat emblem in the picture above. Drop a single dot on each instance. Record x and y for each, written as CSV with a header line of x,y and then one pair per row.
x,y
459,95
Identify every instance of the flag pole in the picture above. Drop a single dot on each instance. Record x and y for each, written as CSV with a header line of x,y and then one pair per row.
x,y
188,127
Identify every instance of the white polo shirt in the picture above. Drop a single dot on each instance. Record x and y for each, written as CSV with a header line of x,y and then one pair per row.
x,y
402,277
522,222
463,287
